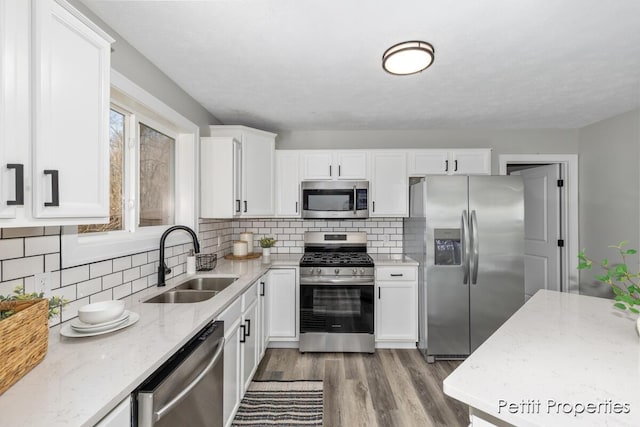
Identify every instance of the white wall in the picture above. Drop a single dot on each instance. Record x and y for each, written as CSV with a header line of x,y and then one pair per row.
x,y
549,141
137,68
609,191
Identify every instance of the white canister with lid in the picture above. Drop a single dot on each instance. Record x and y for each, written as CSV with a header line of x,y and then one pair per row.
x,y
240,248
248,237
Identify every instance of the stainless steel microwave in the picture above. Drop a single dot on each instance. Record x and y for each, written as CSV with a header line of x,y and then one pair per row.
x,y
335,199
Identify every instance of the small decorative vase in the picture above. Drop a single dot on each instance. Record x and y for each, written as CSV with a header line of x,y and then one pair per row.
x,y
266,252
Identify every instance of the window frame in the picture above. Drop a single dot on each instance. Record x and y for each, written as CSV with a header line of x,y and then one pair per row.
x,y
80,249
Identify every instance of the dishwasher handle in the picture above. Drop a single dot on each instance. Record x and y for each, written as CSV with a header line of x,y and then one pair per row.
x,y
184,392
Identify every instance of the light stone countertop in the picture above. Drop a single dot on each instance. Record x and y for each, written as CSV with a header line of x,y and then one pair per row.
x,y
570,349
81,379
383,260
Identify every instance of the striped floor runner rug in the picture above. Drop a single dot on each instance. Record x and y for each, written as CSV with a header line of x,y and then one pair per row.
x,y
281,403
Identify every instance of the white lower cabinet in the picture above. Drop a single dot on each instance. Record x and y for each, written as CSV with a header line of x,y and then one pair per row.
x,y
263,315
120,416
249,343
396,305
232,318
281,300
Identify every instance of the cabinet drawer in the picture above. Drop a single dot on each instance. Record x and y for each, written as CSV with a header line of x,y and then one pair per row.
x,y
249,296
231,314
396,273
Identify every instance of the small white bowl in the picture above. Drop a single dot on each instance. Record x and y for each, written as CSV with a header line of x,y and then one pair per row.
x,y
101,312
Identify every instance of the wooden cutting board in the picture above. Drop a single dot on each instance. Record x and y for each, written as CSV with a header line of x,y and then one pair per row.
x,y
242,258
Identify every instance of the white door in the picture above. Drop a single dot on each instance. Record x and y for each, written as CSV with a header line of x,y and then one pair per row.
x,y
258,151
281,301
428,162
70,115
352,165
396,318
542,264
390,184
317,165
249,343
231,394
287,183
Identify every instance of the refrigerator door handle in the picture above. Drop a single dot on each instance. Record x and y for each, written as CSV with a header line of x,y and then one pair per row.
x,y
465,247
474,247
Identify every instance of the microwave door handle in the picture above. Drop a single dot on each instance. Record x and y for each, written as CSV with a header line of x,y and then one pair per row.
x,y
183,393
355,200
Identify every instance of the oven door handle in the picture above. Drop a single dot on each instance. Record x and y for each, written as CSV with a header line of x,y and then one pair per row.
x,y
332,282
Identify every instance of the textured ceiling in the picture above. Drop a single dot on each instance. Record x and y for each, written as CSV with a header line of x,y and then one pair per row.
x,y
311,64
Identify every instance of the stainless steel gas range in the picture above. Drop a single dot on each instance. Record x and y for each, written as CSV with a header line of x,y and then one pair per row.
x,y
336,293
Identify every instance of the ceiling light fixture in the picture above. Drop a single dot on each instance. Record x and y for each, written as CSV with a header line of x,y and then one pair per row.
x,y
408,58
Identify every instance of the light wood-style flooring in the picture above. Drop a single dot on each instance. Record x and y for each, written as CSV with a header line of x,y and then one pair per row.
x,y
388,388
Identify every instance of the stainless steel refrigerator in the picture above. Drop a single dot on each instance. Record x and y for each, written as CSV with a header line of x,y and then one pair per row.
x,y
467,233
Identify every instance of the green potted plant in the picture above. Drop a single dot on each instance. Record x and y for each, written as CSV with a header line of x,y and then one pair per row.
x,y
624,283
266,243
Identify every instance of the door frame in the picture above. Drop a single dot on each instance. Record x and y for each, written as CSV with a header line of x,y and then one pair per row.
x,y
569,220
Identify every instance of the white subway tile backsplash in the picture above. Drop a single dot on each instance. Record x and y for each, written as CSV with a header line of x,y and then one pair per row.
x,y
147,269
102,296
131,274
89,287
139,259
52,230
139,284
67,292
102,268
22,267
7,288
122,263
52,262
75,275
122,291
41,245
70,310
112,280
11,248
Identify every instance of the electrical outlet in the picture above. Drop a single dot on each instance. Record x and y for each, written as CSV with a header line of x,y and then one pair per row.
x,y
43,283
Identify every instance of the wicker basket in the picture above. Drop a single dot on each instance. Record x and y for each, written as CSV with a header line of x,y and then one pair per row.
x,y
23,339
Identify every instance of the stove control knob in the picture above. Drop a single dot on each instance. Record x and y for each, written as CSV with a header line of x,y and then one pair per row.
x,y
311,271
337,271
355,271
318,270
362,271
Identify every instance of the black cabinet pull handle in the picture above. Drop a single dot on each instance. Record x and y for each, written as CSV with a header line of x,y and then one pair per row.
x,y
261,289
237,205
455,166
243,337
396,274
339,170
296,207
330,174
55,191
446,165
374,206
19,200
248,322
378,293
245,205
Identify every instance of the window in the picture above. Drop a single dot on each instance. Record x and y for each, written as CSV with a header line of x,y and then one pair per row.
x,y
146,183
154,179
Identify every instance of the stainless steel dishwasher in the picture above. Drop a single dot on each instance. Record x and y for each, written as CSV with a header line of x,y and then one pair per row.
x,y
187,389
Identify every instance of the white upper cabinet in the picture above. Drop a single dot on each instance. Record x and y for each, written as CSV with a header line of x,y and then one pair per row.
x,y
287,183
237,173
66,124
341,164
450,162
389,184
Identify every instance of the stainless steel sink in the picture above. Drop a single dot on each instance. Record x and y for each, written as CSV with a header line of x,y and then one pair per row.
x,y
207,283
182,296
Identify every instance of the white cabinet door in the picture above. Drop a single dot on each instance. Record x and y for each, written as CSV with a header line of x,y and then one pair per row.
x,y
231,393
351,165
249,339
14,107
237,178
258,153
396,317
71,66
263,336
470,162
120,416
317,165
282,295
428,162
287,183
390,184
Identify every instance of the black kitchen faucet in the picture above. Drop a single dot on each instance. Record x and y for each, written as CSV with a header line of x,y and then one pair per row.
x,y
162,268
